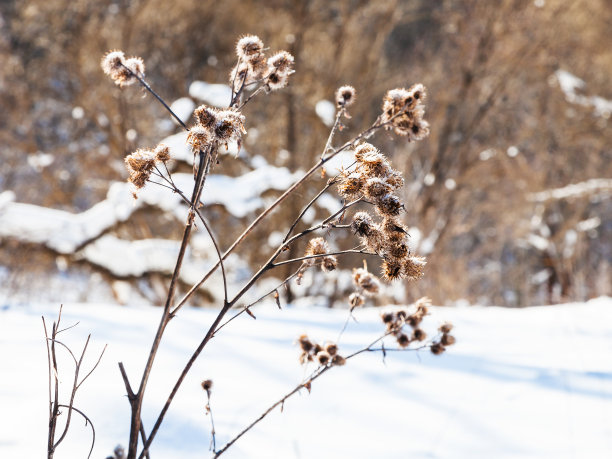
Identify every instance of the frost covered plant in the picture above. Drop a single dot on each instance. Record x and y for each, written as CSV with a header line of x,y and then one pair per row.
x,y
371,182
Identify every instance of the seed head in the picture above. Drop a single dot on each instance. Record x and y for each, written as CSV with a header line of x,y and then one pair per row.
x,y
376,187
446,327
199,137
437,348
418,335
112,62
305,343
316,246
350,186
388,205
206,116
413,267
207,385
281,63
276,81
362,224
345,96
366,281
323,357
329,263
162,153
391,270
387,317
248,47
447,340
364,149
403,340
140,165
331,349
356,299
338,360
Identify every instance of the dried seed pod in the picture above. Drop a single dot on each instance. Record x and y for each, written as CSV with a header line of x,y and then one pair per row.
x,y
345,96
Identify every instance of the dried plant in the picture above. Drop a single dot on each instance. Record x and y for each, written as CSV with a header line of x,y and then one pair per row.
x,y
369,181
55,404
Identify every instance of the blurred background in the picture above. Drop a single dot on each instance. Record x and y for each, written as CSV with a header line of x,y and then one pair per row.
x,y
509,197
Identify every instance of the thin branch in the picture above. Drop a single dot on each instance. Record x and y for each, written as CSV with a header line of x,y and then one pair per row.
x,y
159,99
94,367
333,131
308,206
75,387
87,421
307,385
249,306
322,255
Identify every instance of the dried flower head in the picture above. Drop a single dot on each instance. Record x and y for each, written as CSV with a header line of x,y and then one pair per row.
x,y
394,229
248,47
258,66
121,70
389,205
422,304
206,116
338,360
281,63
363,149
229,125
356,299
447,340
391,270
275,81
388,317
403,112
418,335
376,187
437,348
199,137
350,186
331,348
207,385
366,281
395,179
316,246
362,224
329,263
403,340
162,153
323,357
446,327
140,165
305,343
136,66
112,62
345,96
413,267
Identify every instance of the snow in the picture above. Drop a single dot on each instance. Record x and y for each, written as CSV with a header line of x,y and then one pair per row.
x,y
571,85
574,190
218,95
183,108
326,111
520,383
65,232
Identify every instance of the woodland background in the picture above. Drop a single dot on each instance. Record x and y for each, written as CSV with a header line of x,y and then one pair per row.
x,y
488,192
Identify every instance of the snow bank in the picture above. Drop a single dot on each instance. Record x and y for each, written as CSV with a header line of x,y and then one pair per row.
x,y
65,232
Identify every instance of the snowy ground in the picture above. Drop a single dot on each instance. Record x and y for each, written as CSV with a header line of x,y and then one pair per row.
x,y
528,383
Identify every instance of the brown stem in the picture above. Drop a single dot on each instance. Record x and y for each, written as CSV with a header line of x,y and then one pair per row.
x,y
136,402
